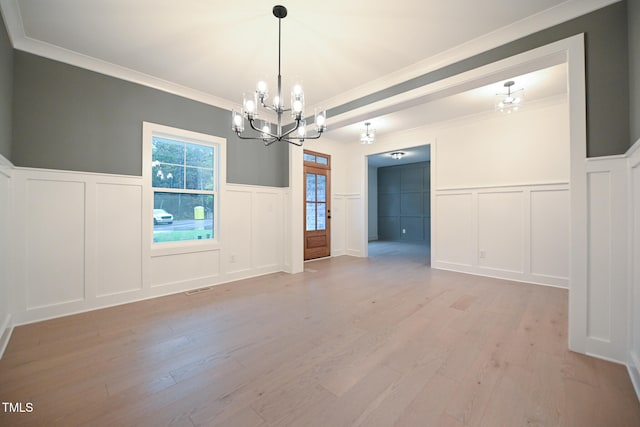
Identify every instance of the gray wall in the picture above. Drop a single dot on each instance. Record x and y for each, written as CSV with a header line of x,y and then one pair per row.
x,y
70,118
6,91
404,206
606,70
633,14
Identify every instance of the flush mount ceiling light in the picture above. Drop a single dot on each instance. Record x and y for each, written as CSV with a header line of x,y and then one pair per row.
x,y
252,102
368,135
398,155
511,101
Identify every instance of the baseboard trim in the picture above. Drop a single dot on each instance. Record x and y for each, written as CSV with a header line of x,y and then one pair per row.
x,y
7,330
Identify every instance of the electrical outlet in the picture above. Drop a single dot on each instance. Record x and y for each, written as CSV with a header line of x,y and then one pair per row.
x,y
483,254
404,231
232,258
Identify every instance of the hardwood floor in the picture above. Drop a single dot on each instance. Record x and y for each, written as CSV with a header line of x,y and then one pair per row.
x,y
384,341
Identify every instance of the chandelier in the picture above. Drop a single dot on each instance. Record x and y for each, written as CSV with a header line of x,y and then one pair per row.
x,y
511,101
368,135
252,103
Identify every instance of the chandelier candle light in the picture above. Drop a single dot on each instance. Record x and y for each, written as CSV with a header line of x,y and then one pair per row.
x,y
294,135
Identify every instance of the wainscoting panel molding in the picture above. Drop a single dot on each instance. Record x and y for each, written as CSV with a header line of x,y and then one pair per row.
x,y
83,241
355,228
511,232
338,225
634,265
54,213
118,228
453,231
606,290
7,252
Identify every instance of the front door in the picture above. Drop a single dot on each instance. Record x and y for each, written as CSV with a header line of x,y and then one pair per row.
x,y
317,205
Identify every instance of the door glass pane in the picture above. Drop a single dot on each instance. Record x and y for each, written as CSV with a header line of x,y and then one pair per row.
x,y
322,160
311,216
309,157
311,187
322,188
322,215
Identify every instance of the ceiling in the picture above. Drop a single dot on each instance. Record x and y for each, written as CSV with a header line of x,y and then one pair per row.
x,y
338,50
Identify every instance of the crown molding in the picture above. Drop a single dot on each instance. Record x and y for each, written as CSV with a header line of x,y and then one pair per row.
x,y
13,21
568,10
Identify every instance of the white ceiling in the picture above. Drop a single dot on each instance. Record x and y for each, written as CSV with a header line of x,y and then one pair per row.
x,y
339,50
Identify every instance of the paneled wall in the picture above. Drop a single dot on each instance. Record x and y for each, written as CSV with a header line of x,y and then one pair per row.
x,y
634,264
605,295
86,243
5,251
404,202
501,195
518,232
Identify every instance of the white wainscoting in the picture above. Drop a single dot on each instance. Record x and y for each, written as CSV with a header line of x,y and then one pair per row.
x,y
512,232
82,241
346,224
605,292
634,265
6,253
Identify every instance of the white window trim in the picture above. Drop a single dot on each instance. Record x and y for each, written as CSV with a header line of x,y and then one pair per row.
x,y
149,130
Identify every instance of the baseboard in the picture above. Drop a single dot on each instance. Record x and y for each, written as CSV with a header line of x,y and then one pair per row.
x,y
634,373
7,330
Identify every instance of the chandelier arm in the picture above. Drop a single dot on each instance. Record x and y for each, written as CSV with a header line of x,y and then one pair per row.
x,y
297,144
268,142
290,131
317,136
255,138
261,131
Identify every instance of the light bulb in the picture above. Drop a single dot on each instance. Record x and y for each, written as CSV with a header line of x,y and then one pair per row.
x,y
249,106
261,87
297,106
237,120
320,120
302,130
297,89
276,101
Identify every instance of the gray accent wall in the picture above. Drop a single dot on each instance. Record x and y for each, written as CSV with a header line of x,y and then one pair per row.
x,y
6,91
372,202
633,14
404,202
606,72
70,118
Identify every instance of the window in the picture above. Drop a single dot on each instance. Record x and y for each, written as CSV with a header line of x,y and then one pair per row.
x,y
183,169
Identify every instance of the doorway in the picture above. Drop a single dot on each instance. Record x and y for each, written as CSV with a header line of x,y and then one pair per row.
x,y
317,205
399,202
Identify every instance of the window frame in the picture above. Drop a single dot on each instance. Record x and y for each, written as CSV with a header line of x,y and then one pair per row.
x,y
151,130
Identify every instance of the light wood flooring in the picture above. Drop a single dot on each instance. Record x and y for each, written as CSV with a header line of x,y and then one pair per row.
x,y
384,341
